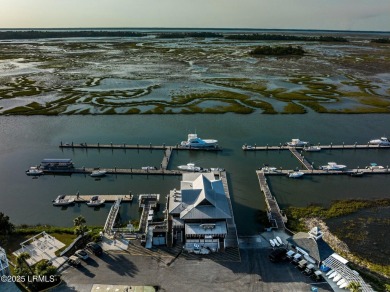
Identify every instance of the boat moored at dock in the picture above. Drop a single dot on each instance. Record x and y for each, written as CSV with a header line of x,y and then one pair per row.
x,y
312,148
62,201
190,167
95,202
34,171
297,143
333,166
383,141
296,174
194,141
98,173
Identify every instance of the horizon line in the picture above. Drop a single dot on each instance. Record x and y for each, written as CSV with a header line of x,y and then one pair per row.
x,y
196,28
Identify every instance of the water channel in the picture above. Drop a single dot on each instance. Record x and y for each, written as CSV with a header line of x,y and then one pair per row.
x,y
25,141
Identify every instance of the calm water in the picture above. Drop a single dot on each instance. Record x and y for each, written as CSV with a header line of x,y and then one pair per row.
x,y
25,141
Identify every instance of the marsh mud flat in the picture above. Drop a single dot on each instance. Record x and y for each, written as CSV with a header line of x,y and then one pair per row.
x,y
148,75
365,233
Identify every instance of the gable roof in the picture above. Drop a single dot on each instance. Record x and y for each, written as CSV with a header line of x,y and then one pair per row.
x,y
210,203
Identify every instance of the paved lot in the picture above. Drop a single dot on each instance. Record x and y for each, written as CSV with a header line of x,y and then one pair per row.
x,y
254,272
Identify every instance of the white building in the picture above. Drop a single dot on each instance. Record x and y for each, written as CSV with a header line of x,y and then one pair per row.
x,y
199,211
4,267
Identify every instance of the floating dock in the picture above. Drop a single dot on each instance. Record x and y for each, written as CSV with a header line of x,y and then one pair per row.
x,y
329,172
131,171
107,198
133,147
323,147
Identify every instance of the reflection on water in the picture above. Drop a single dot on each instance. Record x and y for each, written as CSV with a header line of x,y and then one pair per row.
x,y
27,140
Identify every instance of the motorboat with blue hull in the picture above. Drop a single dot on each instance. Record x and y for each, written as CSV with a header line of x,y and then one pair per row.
x,y
95,202
193,141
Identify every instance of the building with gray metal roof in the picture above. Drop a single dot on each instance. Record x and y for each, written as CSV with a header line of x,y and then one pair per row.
x,y
199,210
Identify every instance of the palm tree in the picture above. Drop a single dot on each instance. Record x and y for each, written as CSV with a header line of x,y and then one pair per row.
x,y
80,230
22,265
354,287
79,220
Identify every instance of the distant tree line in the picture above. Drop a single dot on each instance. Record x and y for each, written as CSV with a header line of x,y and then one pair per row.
x,y
381,41
181,35
278,51
38,34
282,37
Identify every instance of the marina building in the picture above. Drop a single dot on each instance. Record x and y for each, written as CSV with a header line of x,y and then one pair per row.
x,y
50,163
199,212
311,245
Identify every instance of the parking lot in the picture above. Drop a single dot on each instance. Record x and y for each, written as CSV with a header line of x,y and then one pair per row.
x,y
254,272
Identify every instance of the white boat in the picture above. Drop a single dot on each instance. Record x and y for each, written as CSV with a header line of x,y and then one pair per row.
x,y
248,147
383,141
334,274
194,141
297,143
329,272
374,166
149,168
98,173
279,240
333,166
95,202
271,241
337,278
276,242
33,170
312,148
61,201
269,169
296,174
217,169
341,282
345,284
190,167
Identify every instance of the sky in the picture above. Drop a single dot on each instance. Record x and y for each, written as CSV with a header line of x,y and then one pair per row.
x,y
369,15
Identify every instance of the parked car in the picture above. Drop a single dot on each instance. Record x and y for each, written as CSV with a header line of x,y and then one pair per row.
x,y
74,261
278,255
82,254
95,248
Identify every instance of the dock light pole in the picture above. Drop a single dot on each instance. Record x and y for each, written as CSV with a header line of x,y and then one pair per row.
x,y
98,145
111,144
343,145
312,167
267,147
150,145
331,145
355,144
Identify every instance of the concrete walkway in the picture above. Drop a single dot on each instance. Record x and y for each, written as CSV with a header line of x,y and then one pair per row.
x,y
109,244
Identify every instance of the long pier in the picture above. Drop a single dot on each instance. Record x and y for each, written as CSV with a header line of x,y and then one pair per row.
x,y
133,147
128,171
274,213
329,172
107,198
323,147
301,158
231,239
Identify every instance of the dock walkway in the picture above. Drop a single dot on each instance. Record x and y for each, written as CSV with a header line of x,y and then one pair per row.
x,y
107,198
231,239
301,158
323,147
112,217
147,203
166,158
274,212
87,171
132,147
